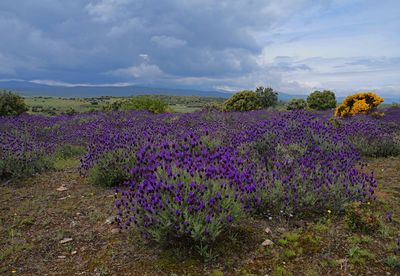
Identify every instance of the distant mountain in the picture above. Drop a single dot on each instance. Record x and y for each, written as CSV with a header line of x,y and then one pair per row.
x,y
33,89
30,89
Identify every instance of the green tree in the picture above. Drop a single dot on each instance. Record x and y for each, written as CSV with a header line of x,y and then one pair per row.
x,y
11,104
321,100
296,104
268,97
148,103
243,101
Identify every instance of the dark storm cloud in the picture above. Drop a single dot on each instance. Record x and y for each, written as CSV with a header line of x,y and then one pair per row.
x,y
201,43
182,38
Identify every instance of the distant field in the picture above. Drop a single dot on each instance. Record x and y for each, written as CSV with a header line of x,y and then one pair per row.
x,y
57,105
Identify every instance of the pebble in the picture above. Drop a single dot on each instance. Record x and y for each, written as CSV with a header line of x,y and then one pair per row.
x,y
74,252
62,189
268,230
267,243
114,231
62,257
110,220
66,240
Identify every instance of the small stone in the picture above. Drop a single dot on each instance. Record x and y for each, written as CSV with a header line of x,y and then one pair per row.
x,y
270,218
66,240
62,189
281,229
62,257
268,230
267,243
114,231
74,252
110,220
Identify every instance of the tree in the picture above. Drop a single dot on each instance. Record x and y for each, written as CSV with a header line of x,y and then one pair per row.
x,y
145,102
296,104
243,101
11,104
268,97
321,100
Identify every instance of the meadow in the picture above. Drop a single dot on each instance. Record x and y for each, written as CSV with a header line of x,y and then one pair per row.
x,y
58,105
208,192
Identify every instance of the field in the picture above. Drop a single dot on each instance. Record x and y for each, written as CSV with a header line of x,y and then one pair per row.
x,y
202,193
58,105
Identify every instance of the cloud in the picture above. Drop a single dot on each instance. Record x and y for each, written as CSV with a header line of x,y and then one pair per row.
x,y
68,84
143,70
292,45
106,10
168,41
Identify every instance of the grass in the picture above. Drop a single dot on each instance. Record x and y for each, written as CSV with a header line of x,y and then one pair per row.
x,y
35,217
180,104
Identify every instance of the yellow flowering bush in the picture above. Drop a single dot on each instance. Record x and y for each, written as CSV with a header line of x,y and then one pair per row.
x,y
362,102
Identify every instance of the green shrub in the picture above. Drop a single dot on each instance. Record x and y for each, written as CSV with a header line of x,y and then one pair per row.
x,y
296,104
28,163
243,101
393,262
111,170
149,103
11,104
268,97
358,255
321,100
384,147
70,111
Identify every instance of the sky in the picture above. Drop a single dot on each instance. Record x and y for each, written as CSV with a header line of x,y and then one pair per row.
x,y
294,46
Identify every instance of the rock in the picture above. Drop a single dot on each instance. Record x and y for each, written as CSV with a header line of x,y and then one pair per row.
x,y
267,242
281,229
74,252
115,231
65,240
110,220
270,218
62,189
268,230
62,257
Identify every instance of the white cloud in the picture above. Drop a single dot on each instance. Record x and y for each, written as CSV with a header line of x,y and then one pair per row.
x,y
68,84
144,70
106,10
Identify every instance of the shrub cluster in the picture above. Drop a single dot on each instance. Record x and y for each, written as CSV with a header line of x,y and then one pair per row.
x,y
149,103
360,103
294,104
321,100
247,100
11,104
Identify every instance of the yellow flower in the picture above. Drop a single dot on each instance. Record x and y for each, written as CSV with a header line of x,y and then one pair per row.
x,y
329,211
362,102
